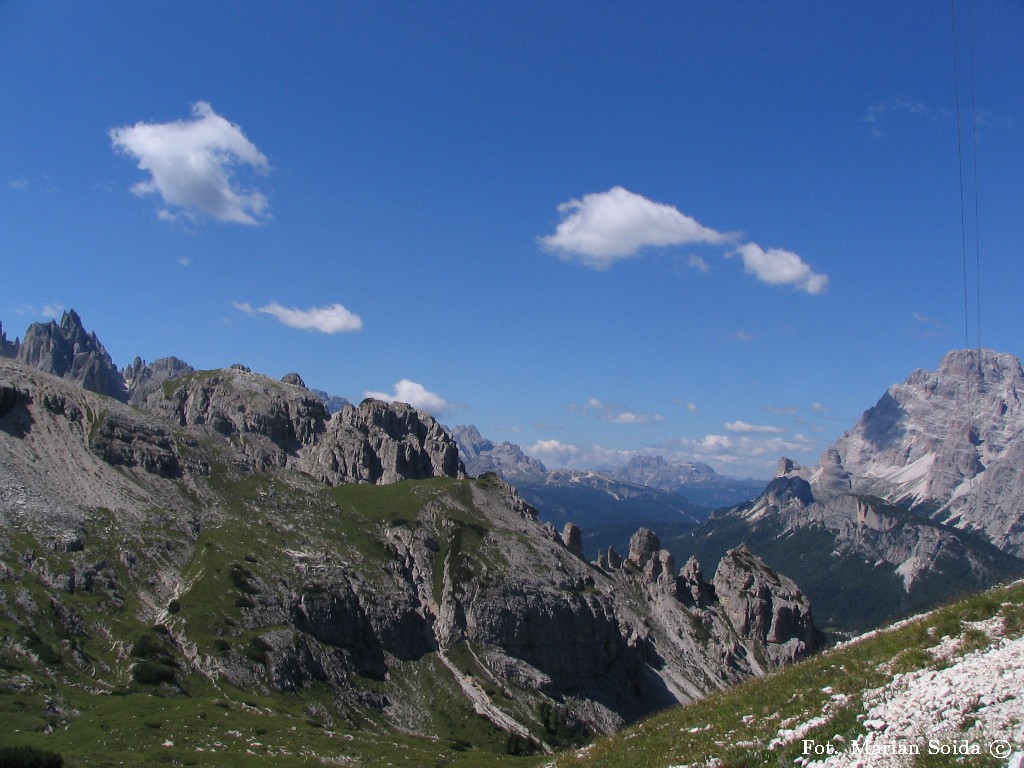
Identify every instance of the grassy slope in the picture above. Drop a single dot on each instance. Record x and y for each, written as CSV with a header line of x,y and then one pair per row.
x,y
737,725
97,713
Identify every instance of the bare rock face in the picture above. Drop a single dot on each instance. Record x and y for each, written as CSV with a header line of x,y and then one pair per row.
x,y
129,442
68,351
481,455
832,476
572,538
8,348
614,558
642,546
692,586
142,379
382,443
765,606
273,421
949,442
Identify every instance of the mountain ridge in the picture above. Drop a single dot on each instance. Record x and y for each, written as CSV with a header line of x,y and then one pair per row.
x,y
229,533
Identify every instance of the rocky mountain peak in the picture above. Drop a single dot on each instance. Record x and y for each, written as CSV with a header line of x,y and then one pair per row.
x,y
8,348
481,455
787,467
948,440
381,443
765,605
142,379
67,350
832,476
643,544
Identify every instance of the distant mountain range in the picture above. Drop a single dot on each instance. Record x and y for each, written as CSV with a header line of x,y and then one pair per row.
x,y
671,497
921,500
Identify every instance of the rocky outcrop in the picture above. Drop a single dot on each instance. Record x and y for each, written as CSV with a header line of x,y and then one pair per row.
x,y
8,348
572,538
645,554
142,380
382,443
271,420
284,424
765,606
692,586
129,442
68,351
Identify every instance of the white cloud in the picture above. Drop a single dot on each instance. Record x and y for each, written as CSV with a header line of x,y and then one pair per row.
x,y
606,226
414,394
556,454
617,414
743,336
779,267
696,262
329,319
742,426
786,410
19,184
191,165
553,452
751,456
52,310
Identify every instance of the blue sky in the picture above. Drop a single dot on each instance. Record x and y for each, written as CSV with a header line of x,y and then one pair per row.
x,y
705,230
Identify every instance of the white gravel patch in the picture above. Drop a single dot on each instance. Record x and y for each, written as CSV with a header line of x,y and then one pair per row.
x,y
974,705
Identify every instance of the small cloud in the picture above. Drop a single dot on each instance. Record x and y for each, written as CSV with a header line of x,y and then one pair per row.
x,y
781,411
18,184
416,395
53,310
819,408
927,326
883,111
184,261
743,336
751,455
191,166
604,227
617,414
780,267
697,263
554,453
742,426
688,405
330,319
